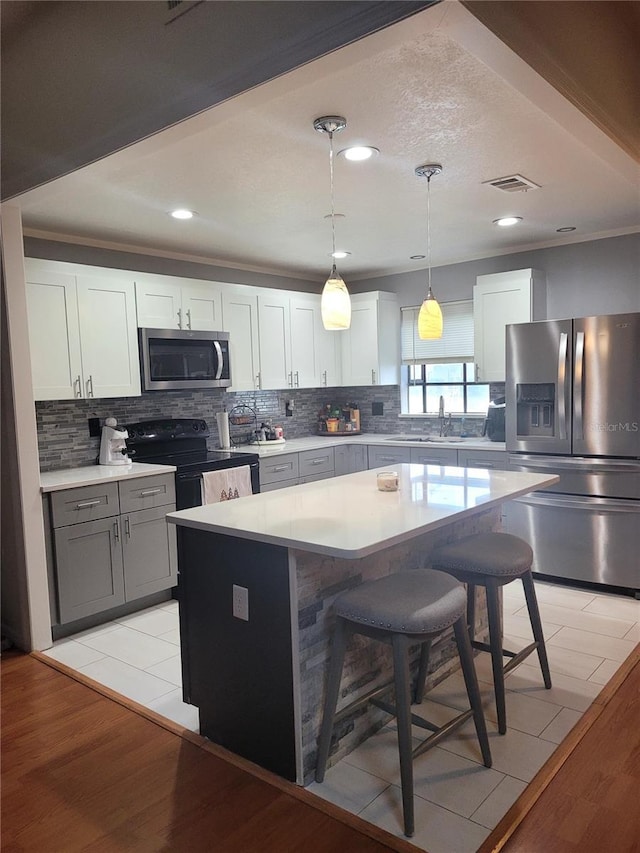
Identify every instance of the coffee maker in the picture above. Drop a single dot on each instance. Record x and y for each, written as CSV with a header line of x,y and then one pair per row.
x,y
494,423
113,448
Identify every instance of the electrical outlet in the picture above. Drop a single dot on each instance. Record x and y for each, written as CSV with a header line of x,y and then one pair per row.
x,y
241,602
377,408
94,427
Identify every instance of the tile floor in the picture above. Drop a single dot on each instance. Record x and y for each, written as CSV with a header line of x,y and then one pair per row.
x,y
458,800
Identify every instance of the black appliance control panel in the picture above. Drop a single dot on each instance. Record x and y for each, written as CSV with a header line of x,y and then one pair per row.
x,y
167,429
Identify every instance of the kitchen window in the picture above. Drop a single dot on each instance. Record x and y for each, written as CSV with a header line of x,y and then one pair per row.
x,y
444,367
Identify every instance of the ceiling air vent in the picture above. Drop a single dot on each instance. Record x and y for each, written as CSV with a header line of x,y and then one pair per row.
x,y
176,8
513,184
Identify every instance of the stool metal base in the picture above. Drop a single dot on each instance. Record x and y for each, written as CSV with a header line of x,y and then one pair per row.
x,y
495,647
402,708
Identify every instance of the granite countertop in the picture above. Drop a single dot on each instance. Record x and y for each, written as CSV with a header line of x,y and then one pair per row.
x,y
348,517
90,475
320,442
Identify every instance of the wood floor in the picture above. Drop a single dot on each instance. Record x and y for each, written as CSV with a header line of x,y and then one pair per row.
x,y
587,799
82,772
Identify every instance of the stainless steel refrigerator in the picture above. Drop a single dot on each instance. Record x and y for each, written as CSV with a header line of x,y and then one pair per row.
x,y
573,408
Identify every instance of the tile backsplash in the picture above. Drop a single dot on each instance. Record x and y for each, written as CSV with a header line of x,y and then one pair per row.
x,y
63,430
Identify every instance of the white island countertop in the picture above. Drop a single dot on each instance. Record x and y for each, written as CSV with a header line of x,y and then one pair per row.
x,y
348,517
91,475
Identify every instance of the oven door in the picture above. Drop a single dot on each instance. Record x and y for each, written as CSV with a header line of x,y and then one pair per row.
x,y
189,484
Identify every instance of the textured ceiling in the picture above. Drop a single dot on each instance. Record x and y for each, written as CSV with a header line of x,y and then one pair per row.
x,y
435,88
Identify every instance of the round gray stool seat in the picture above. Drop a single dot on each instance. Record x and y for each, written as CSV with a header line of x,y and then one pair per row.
x,y
499,555
420,601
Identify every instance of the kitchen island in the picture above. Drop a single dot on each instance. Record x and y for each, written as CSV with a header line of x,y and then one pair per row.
x,y
257,579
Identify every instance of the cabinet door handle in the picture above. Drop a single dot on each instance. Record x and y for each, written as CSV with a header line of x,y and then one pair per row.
x,y
290,380
85,504
258,381
297,379
148,492
324,377
188,318
116,531
477,372
479,463
127,528
373,377
179,313
317,461
90,386
77,386
280,468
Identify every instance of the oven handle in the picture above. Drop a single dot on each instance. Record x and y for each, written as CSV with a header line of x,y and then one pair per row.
x,y
195,476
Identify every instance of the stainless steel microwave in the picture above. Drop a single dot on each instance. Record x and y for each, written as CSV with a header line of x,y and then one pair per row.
x,y
174,359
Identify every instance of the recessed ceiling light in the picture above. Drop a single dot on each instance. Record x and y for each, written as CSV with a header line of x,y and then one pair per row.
x,y
338,254
505,221
359,152
182,213
566,228
417,257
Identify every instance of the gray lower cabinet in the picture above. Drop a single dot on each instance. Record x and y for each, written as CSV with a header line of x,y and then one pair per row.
x,y
498,459
379,456
317,464
278,472
149,550
434,456
350,458
89,568
107,561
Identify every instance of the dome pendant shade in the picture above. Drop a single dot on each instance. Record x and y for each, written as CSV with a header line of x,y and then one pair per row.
x,y
430,319
335,304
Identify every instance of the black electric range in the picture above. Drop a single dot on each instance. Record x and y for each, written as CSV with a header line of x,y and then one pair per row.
x,y
183,442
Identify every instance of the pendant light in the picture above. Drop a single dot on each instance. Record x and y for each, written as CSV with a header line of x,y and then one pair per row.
x,y
335,305
430,316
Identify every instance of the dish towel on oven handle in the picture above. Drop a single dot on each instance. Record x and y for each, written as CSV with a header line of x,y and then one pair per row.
x,y
226,485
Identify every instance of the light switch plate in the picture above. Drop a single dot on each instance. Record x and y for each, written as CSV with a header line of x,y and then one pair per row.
x,y
241,602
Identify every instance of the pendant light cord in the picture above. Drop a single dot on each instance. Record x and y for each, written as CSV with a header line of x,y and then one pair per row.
x,y
429,293
333,217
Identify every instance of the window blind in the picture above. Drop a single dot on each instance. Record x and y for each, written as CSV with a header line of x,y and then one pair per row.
x,y
456,343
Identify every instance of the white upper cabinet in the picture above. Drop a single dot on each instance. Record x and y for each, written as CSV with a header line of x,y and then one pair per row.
x,y
240,319
277,340
54,334
166,302
274,332
82,331
500,299
304,312
371,347
329,350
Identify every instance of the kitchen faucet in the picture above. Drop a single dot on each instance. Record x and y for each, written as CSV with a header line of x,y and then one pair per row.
x,y
445,428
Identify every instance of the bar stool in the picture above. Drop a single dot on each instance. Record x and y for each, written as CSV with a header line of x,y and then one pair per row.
x,y
492,560
402,609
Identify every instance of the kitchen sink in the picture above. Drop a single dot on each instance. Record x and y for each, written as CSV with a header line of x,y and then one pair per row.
x,y
445,439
